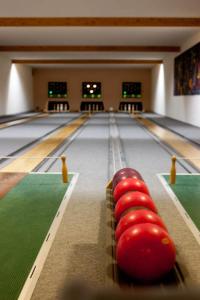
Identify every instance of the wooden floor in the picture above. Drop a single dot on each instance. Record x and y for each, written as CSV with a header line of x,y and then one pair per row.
x,y
179,144
20,121
32,158
65,261
28,161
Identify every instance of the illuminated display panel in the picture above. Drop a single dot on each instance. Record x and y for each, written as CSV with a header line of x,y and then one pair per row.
x,y
91,90
131,90
57,89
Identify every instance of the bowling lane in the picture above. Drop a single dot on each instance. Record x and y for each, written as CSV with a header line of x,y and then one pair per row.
x,y
79,249
79,246
141,150
21,136
145,154
186,130
9,118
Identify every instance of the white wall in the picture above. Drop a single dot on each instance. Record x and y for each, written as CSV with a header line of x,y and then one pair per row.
x,y
16,92
183,108
158,89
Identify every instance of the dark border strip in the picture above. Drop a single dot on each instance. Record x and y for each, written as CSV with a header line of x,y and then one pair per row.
x,y
99,22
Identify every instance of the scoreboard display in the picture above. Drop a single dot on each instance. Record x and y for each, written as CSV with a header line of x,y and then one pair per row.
x,y
131,90
57,89
91,90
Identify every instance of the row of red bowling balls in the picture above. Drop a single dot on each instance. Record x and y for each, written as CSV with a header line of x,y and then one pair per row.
x,y
144,248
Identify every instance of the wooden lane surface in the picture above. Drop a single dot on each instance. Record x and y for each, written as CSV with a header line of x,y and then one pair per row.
x,y
32,158
20,121
179,144
8,181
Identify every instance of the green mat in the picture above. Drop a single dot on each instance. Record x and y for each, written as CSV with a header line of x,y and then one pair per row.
x,y
26,214
187,190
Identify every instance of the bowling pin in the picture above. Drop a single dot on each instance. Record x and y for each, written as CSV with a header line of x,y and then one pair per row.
x,y
173,171
61,107
64,169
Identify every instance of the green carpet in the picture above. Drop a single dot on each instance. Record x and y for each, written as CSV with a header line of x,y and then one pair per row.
x,y
187,190
26,213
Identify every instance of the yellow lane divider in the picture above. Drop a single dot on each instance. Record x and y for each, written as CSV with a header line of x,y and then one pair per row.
x,y
179,144
20,121
25,164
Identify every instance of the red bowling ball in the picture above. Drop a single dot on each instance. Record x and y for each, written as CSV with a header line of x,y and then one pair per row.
x,y
127,185
133,201
126,174
123,171
145,252
137,217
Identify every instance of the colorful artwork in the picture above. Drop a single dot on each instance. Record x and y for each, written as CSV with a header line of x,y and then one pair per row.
x,y
187,72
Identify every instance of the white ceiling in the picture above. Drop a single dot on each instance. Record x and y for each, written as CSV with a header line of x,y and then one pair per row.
x,y
94,35
99,8
156,36
85,55
91,66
